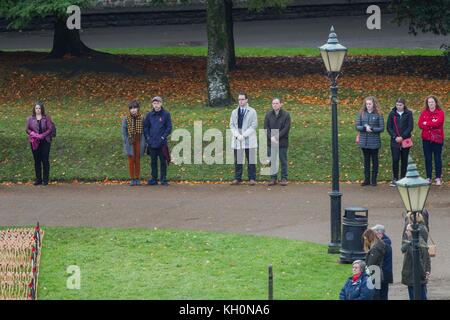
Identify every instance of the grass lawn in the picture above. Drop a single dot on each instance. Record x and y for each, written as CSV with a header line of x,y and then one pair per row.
x,y
202,51
272,52
167,264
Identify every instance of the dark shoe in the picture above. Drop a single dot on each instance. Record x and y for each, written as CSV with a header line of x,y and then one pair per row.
x,y
393,183
272,182
37,182
132,183
235,182
45,183
137,182
251,182
365,183
164,182
152,182
284,182
373,183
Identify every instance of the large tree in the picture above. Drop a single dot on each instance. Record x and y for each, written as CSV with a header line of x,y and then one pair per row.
x,y
221,48
19,13
423,15
217,66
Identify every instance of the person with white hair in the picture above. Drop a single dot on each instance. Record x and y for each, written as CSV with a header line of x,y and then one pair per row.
x,y
388,276
356,287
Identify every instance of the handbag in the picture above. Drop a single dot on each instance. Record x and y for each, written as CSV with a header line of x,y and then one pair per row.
x,y
432,247
406,143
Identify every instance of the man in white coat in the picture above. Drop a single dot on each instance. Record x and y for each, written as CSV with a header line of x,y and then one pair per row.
x,y
243,124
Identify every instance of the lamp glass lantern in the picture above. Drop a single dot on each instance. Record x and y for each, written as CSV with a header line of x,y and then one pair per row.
x,y
333,53
413,189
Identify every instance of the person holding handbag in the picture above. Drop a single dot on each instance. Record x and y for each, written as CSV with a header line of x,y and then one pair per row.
x,y
370,124
400,125
431,122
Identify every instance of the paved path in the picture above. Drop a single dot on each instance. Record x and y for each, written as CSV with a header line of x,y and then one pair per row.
x,y
308,32
299,211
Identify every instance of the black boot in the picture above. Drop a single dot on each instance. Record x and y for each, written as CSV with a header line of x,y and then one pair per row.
x,y
373,181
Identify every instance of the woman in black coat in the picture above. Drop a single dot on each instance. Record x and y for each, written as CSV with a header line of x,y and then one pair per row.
x,y
375,250
400,125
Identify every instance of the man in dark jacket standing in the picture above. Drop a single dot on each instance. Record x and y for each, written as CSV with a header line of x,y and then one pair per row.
x,y
400,125
388,276
277,123
157,128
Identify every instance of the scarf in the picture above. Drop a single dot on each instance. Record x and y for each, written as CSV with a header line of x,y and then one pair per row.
x,y
356,277
134,125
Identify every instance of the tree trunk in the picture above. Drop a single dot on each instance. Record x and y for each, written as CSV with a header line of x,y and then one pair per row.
x,y
216,69
230,34
67,41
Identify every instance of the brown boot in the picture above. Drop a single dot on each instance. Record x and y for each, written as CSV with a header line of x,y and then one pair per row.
x,y
235,182
272,182
252,182
284,182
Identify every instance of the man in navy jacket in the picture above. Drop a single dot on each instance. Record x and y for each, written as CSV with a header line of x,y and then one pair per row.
x,y
157,128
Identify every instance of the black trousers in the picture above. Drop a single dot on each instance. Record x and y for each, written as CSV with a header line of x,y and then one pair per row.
x,y
370,155
41,161
156,153
399,155
384,291
250,155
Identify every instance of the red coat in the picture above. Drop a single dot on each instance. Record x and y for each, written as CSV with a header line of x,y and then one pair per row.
x,y
434,126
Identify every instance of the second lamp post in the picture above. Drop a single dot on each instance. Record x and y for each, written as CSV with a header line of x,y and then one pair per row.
x,y
333,54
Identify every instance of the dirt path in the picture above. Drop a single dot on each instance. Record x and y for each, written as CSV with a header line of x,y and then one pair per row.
x,y
299,211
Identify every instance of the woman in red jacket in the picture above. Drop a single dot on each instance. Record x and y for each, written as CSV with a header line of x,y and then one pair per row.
x,y
431,122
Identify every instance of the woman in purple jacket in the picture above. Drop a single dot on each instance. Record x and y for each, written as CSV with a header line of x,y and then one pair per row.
x,y
39,130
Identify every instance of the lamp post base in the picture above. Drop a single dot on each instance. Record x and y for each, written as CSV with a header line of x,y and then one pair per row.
x,y
334,247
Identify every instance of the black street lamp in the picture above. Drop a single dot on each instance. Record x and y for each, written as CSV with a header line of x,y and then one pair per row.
x,y
414,191
333,54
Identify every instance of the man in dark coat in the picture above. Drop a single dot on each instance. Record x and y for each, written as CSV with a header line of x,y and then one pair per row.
x,y
157,128
388,276
278,123
424,265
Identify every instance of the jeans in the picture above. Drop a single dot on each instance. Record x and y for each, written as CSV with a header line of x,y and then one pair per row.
x,y
397,156
250,155
275,154
370,154
430,150
423,292
156,153
41,161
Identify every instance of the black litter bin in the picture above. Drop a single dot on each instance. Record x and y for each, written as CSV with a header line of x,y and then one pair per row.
x,y
354,224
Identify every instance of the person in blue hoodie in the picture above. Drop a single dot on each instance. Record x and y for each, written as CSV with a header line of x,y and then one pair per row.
x,y
357,286
157,128
388,276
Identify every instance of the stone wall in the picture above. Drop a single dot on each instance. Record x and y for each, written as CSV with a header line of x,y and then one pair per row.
x,y
143,15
